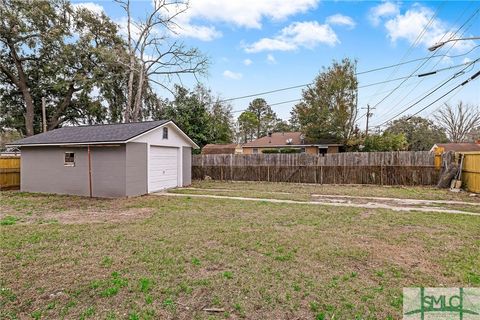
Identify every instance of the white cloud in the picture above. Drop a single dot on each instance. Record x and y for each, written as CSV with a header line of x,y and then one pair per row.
x,y
232,75
240,13
247,62
246,13
466,60
409,25
341,20
271,59
94,7
204,33
386,9
298,34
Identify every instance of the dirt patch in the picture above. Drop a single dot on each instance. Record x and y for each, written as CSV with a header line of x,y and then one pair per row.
x,y
83,217
410,257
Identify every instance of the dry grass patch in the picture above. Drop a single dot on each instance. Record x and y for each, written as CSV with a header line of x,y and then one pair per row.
x,y
405,192
253,260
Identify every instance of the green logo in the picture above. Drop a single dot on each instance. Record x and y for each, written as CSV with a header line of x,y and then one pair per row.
x,y
441,303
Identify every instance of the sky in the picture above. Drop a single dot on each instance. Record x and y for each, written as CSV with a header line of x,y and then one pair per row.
x,y
261,45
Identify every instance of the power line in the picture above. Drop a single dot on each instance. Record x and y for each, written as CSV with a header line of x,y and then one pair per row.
x,y
452,35
429,94
417,41
375,83
455,88
433,88
358,73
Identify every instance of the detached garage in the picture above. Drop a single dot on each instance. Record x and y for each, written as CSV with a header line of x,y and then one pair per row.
x,y
112,160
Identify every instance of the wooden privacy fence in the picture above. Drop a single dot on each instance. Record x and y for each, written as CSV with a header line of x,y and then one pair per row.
x,y
384,168
471,171
9,172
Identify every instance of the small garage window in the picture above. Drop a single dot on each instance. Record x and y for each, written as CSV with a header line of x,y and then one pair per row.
x,y
69,159
255,150
165,133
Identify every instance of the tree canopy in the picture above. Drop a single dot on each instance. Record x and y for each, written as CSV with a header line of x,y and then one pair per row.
x,y
79,62
199,114
386,141
53,50
421,133
328,109
460,121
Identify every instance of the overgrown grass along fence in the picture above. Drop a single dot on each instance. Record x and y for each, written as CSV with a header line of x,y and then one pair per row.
x,y
382,168
9,172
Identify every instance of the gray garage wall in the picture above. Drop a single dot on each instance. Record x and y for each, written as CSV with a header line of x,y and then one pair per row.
x,y
136,169
187,166
43,170
108,171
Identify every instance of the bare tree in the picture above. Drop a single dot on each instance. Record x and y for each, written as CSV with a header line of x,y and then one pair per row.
x,y
154,55
458,121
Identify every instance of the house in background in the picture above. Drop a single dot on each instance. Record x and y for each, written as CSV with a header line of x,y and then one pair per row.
x,y
289,140
113,160
456,147
232,148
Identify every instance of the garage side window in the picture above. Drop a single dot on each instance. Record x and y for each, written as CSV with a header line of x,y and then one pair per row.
x,y
165,133
69,159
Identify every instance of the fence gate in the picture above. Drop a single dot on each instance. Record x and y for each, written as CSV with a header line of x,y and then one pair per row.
x,y
471,171
9,172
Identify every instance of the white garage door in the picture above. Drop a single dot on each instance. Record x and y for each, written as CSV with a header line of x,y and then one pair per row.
x,y
163,168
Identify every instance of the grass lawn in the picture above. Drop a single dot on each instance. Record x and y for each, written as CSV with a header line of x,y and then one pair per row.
x,y
299,190
157,257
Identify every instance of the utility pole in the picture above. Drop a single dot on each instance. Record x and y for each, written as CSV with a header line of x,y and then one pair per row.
x,y
369,114
44,115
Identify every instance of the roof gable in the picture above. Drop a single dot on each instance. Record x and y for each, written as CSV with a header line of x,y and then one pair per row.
x,y
106,133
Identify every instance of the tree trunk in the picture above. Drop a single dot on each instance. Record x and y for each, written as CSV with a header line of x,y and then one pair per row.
x,y
23,86
138,96
131,75
29,107
128,107
55,120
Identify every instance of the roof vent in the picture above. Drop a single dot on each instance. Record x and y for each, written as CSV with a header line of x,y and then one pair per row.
x,y
269,134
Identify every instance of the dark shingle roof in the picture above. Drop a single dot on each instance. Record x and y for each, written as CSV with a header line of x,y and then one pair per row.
x,y
89,134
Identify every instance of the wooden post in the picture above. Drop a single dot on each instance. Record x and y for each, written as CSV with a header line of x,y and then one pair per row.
x,y
90,171
381,174
321,175
44,115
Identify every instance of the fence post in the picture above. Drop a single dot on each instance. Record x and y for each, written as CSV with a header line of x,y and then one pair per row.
x,y
381,173
343,168
321,174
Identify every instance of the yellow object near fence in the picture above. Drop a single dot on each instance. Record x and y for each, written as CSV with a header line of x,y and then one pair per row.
x,y
471,171
9,172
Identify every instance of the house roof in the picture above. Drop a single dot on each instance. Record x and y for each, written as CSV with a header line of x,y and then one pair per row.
x,y
219,148
459,147
279,139
105,133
